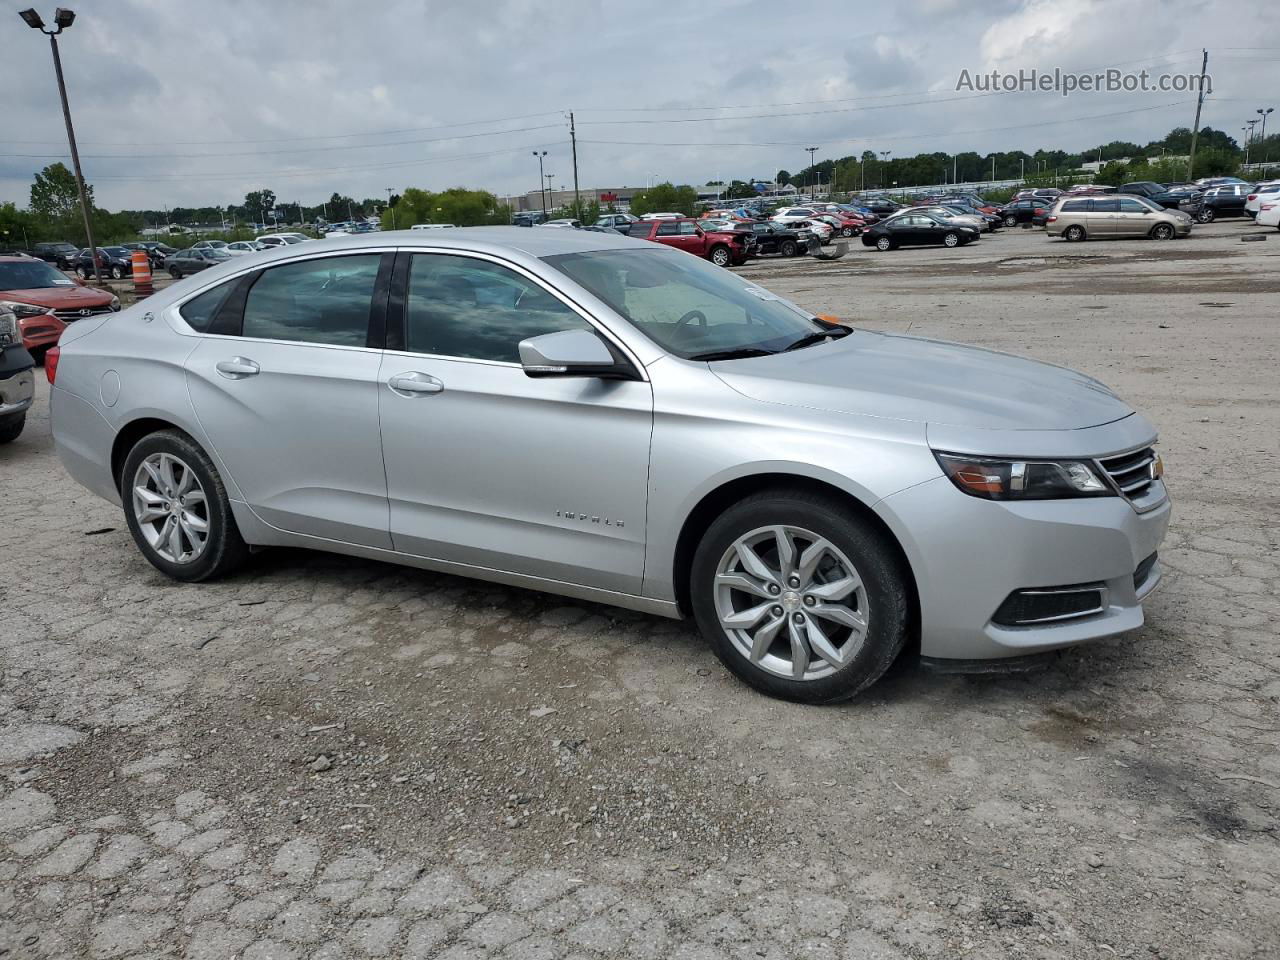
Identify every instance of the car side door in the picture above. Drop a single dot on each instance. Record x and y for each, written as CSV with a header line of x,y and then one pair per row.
x,y
489,467
284,383
1104,213
1133,218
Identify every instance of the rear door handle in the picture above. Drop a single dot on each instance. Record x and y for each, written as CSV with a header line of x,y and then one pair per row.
x,y
237,368
415,384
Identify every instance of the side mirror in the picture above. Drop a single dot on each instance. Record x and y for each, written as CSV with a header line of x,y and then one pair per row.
x,y
572,353
1145,211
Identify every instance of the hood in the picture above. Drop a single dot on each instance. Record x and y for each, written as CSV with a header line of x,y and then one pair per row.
x,y
930,381
59,298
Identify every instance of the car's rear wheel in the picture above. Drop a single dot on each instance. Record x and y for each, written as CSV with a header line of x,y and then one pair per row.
x,y
1010,221
175,273
846,231
788,248
951,239
799,597
1162,231
721,256
85,272
117,273
177,508
884,243
1075,232
1206,215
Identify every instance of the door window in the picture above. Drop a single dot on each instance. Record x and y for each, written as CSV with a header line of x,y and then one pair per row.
x,y
326,300
1128,205
200,311
688,230
668,229
1111,205
474,309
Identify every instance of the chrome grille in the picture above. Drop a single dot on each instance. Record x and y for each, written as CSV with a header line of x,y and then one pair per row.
x,y
1131,472
67,316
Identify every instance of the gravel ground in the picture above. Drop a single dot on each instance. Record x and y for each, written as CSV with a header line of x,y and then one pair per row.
x,y
327,757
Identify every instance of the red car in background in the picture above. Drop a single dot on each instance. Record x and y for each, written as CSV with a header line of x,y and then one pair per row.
x,y
46,300
720,247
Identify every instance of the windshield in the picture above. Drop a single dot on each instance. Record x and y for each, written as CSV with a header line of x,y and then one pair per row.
x,y
32,275
117,251
685,304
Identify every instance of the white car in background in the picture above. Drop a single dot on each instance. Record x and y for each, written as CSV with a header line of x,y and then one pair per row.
x,y
793,215
663,216
432,226
819,228
272,240
210,245
240,247
1268,191
1269,213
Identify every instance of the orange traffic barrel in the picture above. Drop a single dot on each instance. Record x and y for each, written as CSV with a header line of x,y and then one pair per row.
x,y
142,286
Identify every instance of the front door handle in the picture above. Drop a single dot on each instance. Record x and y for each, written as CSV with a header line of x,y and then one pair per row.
x,y
237,368
415,384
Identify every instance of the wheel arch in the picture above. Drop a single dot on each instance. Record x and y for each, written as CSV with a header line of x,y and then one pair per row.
x,y
716,501
129,435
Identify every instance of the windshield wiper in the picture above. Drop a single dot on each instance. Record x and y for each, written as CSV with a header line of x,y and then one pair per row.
x,y
809,339
736,354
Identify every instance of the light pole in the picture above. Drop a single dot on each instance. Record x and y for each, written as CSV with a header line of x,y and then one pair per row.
x,y
542,192
1262,112
390,190
63,18
550,194
1246,128
811,151
884,160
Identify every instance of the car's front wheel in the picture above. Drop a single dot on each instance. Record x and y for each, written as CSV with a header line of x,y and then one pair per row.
x,y
884,243
721,256
177,508
1162,231
799,596
11,427
788,248
951,239
175,273
85,272
1010,221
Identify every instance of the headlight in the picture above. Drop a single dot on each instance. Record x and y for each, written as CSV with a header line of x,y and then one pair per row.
x,y
1002,479
115,303
9,334
23,309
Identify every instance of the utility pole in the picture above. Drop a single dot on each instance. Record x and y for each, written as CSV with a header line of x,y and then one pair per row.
x,y
390,190
1262,139
63,18
1195,130
573,140
542,187
1245,129
811,151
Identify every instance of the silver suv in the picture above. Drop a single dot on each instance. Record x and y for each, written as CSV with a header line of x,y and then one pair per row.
x,y
620,422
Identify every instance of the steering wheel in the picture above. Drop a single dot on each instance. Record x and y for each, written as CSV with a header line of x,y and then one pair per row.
x,y
690,316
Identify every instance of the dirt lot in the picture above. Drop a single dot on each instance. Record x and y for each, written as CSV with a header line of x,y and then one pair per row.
x,y
332,758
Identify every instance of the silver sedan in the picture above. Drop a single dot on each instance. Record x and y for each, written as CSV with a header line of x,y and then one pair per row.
x,y
617,421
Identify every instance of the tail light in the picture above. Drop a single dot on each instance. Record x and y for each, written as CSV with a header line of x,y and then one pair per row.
x,y
51,363
1039,211
1051,220
1252,196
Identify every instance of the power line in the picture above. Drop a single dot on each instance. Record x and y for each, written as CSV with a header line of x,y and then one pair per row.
x,y
269,153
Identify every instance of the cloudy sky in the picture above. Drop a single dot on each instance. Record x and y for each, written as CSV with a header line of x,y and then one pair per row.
x,y
193,103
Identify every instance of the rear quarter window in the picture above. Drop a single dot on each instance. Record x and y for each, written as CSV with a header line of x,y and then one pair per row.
x,y
199,311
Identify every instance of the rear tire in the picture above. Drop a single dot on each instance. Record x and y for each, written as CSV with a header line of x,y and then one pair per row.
x,y
11,427
175,273
1010,221
788,248
1074,233
852,552
223,549
117,273
1207,216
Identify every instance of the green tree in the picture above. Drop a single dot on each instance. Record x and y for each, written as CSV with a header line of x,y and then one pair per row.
x,y
738,190
781,177
16,227
457,205
258,204
665,198
54,195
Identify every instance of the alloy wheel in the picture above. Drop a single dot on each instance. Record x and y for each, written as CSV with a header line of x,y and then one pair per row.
x,y
1010,221
883,243
791,602
171,508
951,240
1163,232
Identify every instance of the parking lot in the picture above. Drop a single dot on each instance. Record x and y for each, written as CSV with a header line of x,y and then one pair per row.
x,y
327,757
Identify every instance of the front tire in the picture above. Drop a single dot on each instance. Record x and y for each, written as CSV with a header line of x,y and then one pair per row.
x,y
788,248
175,273
1010,221
799,597
721,256
883,244
11,428
177,509
951,239
1162,231
117,273
85,272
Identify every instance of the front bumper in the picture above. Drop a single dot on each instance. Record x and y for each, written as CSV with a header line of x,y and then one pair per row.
x,y
968,555
17,382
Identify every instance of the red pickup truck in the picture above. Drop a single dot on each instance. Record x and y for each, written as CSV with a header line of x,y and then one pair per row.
x,y
721,248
